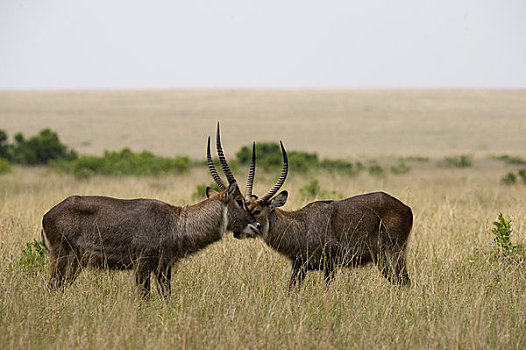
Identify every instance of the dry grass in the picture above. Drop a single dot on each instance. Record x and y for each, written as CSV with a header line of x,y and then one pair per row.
x,y
335,123
233,295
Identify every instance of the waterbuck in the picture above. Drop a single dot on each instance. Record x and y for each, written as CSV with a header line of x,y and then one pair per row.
x,y
372,227
144,234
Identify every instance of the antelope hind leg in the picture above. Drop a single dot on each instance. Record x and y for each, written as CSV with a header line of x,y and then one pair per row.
x,y
163,281
64,269
142,279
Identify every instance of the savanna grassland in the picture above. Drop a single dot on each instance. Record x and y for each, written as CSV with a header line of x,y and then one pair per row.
x,y
465,294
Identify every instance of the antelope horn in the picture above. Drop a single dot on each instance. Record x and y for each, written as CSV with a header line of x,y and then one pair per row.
x,y
212,168
281,179
251,172
222,159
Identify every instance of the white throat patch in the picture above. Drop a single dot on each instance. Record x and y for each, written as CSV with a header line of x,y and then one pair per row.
x,y
224,222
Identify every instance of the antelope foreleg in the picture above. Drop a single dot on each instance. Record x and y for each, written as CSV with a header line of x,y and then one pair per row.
x,y
297,275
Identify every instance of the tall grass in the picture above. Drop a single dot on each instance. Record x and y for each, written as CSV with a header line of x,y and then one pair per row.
x,y
233,294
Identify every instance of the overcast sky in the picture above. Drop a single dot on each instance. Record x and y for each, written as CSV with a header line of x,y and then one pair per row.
x,y
66,44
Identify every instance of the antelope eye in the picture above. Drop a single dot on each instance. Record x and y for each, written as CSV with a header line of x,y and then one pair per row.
x,y
239,202
256,212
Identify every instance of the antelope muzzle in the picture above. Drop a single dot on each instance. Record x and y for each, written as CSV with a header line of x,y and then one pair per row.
x,y
251,231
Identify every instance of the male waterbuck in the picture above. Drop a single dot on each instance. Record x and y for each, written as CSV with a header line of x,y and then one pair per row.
x,y
372,227
144,234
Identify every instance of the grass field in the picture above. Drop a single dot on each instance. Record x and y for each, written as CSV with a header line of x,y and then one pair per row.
x,y
233,294
334,123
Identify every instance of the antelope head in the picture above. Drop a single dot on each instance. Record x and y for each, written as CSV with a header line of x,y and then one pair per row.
x,y
236,203
260,207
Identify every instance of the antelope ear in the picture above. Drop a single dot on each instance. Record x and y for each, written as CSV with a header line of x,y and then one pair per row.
x,y
232,190
210,192
279,200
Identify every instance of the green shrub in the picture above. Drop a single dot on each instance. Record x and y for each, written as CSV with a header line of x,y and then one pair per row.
x,y
4,166
40,149
4,146
376,170
80,171
341,166
125,162
522,175
269,158
502,231
462,161
401,168
509,179
268,155
415,159
33,254
510,159
301,162
312,190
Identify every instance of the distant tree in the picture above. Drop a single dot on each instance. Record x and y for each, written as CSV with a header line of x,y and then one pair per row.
x,y
41,149
269,157
4,146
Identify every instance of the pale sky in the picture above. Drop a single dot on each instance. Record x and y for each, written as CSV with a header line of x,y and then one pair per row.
x,y
96,44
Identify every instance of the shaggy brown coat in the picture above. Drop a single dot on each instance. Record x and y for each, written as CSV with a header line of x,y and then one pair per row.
x,y
144,234
373,227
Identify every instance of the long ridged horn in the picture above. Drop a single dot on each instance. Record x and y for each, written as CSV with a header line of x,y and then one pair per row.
x,y
251,173
212,168
281,179
222,159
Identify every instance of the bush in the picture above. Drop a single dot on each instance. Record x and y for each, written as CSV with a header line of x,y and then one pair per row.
x,y
40,149
301,162
4,166
269,158
341,166
509,179
376,170
419,159
4,145
510,159
33,255
502,231
462,161
399,169
312,190
125,162
268,155
522,175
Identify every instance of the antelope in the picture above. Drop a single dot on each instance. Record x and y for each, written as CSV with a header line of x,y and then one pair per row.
x,y
372,227
146,235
